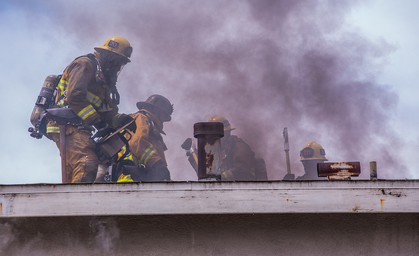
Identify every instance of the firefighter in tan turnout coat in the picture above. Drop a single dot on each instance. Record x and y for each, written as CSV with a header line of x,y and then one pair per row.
x,y
88,87
146,145
238,160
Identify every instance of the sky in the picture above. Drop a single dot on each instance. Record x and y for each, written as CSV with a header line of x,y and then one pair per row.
x,y
341,73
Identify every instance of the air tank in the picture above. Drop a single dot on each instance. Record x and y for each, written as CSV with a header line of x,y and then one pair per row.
x,y
45,98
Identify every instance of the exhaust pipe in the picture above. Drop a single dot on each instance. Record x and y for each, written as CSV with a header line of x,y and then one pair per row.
x,y
373,170
209,149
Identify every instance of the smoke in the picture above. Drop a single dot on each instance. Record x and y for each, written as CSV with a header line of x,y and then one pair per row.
x,y
264,65
105,235
6,235
61,236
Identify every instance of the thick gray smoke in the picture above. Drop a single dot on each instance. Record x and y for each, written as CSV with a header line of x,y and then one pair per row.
x,y
265,65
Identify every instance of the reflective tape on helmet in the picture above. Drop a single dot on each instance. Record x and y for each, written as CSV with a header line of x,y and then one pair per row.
x,y
86,112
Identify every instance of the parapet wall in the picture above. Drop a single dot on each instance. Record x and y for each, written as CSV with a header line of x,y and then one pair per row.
x,y
204,218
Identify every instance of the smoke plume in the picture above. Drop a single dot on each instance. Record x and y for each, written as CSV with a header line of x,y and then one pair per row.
x,y
264,65
61,236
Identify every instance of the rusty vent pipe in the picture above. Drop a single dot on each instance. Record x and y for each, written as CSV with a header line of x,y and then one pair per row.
x,y
209,149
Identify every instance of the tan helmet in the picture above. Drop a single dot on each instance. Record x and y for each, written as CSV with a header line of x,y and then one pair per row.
x,y
221,119
313,151
118,45
160,103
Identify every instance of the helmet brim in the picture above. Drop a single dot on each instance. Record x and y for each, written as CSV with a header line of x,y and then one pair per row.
x,y
101,48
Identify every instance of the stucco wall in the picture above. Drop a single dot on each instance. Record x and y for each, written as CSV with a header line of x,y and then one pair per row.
x,y
261,234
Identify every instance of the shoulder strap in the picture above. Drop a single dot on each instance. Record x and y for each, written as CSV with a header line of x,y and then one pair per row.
x,y
93,59
63,95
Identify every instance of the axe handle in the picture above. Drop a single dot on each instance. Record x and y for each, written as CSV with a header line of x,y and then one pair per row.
x,y
63,153
194,161
287,149
287,156
195,157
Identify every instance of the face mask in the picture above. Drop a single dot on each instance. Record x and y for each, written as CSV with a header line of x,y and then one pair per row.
x,y
111,67
112,72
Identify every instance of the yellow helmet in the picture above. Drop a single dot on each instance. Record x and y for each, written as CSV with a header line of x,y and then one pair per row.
x,y
221,119
313,151
118,45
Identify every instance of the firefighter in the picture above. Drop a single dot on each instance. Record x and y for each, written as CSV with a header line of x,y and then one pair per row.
x,y
238,161
311,154
146,145
88,87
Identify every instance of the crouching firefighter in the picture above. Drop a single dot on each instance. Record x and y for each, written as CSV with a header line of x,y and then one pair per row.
x,y
145,160
87,88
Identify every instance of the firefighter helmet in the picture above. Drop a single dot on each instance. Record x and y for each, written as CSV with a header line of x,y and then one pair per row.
x,y
118,45
313,151
221,119
158,102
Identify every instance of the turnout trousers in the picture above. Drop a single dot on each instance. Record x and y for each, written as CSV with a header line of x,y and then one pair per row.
x,y
82,161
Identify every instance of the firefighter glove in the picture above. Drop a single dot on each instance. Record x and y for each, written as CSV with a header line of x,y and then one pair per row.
x,y
102,128
120,166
